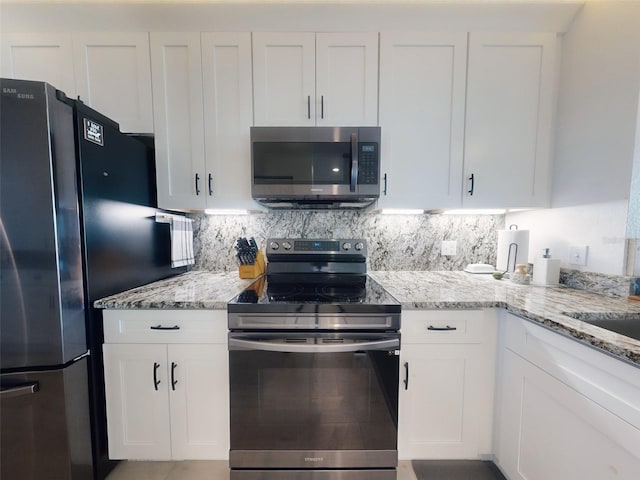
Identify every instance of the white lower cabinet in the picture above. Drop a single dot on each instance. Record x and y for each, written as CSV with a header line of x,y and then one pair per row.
x,y
169,400
447,364
564,411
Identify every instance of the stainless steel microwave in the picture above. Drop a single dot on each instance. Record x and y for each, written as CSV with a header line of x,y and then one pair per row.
x,y
315,167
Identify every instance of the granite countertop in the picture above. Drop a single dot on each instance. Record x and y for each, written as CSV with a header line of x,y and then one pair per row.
x,y
192,290
544,305
419,290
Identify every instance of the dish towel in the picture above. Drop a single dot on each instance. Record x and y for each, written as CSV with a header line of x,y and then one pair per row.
x,y
181,241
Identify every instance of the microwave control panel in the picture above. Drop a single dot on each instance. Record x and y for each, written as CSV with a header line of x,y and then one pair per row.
x,y
368,163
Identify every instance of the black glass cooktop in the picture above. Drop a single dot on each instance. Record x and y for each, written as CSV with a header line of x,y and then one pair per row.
x,y
309,293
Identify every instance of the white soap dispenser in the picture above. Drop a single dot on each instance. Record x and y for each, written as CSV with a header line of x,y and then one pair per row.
x,y
546,270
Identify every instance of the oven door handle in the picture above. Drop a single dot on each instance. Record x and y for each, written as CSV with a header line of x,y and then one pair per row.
x,y
241,344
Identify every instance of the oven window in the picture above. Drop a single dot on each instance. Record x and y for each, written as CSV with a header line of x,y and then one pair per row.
x,y
302,163
313,401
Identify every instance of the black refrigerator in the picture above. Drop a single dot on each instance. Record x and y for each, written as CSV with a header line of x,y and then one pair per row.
x,y
77,223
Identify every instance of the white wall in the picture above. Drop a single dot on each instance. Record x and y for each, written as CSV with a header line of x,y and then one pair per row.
x,y
597,115
600,226
311,16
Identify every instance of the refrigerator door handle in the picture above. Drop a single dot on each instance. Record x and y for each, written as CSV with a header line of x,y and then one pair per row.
x,y
20,390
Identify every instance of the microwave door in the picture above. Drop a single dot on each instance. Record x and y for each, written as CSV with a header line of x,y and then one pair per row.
x,y
331,168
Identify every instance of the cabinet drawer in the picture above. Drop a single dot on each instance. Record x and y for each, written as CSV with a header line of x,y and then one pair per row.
x,y
437,326
165,326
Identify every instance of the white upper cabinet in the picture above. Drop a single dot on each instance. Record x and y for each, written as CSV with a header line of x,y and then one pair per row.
x,y
305,79
178,116
113,76
510,94
422,101
228,116
347,79
203,112
110,71
284,78
46,57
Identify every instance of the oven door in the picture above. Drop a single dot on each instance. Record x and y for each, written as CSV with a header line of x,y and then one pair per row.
x,y
316,401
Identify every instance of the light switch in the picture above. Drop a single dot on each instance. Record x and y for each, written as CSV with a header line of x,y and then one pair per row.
x,y
449,247
578,254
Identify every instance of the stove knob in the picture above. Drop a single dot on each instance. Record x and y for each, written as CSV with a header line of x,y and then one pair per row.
x,y
274,246
346,246
286,245
359,246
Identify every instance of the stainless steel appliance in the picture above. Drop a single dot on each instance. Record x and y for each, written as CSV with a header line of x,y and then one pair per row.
x,y
314,351
77,223
315,167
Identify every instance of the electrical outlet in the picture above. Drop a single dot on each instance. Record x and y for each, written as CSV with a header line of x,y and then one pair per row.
x,y
449,247
578,254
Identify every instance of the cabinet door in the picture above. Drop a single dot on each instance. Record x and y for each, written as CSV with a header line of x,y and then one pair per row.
x,y
284,79
443,407
176,68
136,389
548,431
113,76
422,101
346,79
508,124
46,57
199,401
228,115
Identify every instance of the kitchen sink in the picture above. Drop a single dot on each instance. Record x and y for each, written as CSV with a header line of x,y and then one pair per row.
x,y
627,324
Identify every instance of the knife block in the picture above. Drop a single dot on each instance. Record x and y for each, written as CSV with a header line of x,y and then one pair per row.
x,y
255,269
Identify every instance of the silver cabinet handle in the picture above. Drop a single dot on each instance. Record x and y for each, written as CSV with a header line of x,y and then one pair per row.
x,y
322,106
240,344
210,185
20,390
197,184
309,107
471,185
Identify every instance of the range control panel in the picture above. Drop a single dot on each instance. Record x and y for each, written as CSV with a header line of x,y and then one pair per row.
x,y
317,246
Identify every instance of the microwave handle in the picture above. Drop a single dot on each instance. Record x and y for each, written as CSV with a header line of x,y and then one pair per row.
x,y
354,162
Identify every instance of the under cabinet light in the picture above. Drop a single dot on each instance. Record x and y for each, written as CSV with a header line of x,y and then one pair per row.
x,y
485,211
226,211
401,211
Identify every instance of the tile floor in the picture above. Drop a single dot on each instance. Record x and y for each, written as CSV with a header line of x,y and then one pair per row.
x,y
199,470
219,470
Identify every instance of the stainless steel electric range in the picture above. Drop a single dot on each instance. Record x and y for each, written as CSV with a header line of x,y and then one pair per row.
x,y
314,355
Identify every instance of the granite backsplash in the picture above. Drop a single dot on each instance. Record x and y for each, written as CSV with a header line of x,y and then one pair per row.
x,y
396,242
